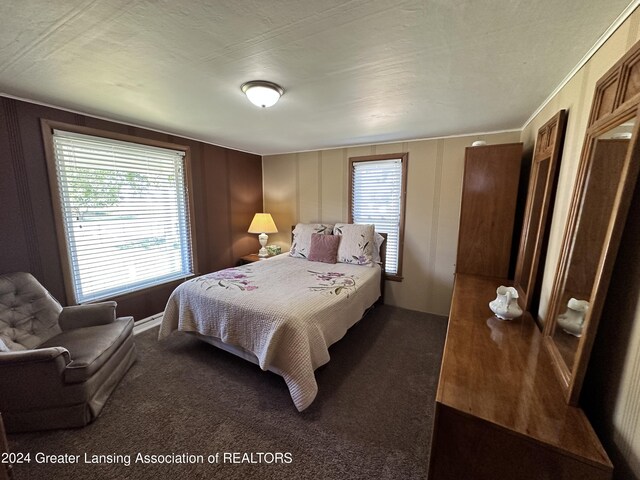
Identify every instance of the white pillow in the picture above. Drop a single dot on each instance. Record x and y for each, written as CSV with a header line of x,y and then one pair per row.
x,y
302,237
3,347
379,240
357,244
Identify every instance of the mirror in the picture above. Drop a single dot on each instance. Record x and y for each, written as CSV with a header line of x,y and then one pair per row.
x,y
604,186
599,206
540,196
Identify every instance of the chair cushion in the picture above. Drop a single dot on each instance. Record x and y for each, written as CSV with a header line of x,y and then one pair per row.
x,y
90,347
28,313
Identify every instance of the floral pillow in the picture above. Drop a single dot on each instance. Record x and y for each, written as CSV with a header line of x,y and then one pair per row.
x,y
302,237
357,244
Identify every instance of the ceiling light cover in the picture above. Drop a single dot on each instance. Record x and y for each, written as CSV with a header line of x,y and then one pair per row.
x,y
262,93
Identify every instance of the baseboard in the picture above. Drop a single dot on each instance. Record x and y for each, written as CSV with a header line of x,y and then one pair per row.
x,y
147,323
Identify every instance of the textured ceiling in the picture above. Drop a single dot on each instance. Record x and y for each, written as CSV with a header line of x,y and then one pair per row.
x,y
354,72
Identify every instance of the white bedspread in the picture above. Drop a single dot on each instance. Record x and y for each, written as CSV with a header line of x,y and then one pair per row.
x,y
286,311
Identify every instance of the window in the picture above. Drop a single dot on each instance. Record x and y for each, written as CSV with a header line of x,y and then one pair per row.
x,y
377,195
122,211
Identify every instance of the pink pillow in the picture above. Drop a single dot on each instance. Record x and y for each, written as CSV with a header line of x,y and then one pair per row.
x,y
324,248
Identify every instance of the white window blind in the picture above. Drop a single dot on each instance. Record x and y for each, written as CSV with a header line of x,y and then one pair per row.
x,y
376,198
125,214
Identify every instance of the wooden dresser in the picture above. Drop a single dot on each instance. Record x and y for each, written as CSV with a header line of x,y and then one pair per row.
x,y
500,411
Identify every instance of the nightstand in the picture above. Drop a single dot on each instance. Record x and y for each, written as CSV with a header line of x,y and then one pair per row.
x,y
252,257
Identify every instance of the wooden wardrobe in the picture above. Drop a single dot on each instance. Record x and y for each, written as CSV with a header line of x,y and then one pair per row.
x,y
489,197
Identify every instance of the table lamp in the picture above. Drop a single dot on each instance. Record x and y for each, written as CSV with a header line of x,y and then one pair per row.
x,y
262,223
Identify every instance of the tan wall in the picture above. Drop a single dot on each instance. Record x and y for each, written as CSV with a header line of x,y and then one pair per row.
x,y
312,186
575,97
612,388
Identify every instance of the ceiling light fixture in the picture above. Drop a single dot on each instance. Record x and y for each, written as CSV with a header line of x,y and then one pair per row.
x,y
261,93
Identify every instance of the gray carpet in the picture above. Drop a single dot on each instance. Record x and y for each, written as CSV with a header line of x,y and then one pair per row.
x,y
372,417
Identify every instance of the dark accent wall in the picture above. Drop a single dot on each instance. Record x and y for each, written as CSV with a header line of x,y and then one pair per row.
x,y
227,191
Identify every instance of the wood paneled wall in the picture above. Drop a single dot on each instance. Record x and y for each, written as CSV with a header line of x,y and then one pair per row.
x,y
313,186
611,392
227,191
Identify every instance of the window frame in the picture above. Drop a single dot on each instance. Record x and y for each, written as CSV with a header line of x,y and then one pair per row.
x,y
404,158
48,127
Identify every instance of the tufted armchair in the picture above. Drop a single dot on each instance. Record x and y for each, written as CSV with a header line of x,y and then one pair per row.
x,y
58,366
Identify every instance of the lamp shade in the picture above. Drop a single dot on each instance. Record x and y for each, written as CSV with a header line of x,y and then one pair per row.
x,y
262,223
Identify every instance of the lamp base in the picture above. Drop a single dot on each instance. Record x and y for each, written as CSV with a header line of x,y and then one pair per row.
x,y
262,238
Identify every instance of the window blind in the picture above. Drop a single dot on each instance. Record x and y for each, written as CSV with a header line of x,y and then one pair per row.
x,y
376,198
125,214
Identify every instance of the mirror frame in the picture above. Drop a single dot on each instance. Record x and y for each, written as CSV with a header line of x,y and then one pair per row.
x,y
616,100
535,231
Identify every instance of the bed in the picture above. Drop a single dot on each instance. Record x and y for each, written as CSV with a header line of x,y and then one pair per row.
x,y
282,313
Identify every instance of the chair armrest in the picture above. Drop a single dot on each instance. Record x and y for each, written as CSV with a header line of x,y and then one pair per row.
x,y
39,355
88,315
32,377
